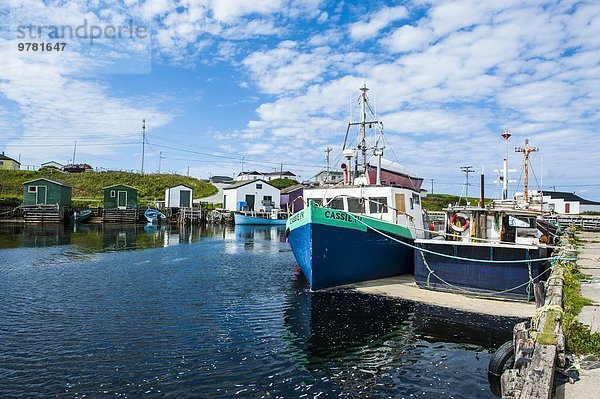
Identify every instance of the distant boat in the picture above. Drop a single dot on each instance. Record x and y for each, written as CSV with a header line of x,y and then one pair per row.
x,y
259,218
363,228
152,215
80,216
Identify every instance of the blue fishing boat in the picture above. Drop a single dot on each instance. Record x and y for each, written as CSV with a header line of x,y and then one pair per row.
x,y
152,215
499,250
359,230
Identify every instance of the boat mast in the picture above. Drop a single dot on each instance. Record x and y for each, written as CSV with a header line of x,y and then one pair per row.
x,y
506,135
363,127
526,151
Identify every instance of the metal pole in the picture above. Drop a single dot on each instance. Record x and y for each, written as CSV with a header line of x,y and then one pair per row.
x,y
74,151
143,143
467,170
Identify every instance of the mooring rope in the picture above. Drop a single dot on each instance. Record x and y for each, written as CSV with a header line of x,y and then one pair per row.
x,y
551,258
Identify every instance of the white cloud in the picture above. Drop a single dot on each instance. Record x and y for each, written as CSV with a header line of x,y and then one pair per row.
x,y
376,22
408,38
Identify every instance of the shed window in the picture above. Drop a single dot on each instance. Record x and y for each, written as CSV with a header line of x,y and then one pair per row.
x,y
267,198
32,189
258,186
113,194
1,162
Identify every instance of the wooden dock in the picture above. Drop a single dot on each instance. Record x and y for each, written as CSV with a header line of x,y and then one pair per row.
x,y
190,216
539,345
43,213
116,215
581,222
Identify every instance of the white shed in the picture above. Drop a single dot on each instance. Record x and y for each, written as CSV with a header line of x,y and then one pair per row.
x,y
178,197
568,203
254,195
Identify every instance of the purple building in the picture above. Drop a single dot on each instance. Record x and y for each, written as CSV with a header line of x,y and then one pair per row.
x,y
291,198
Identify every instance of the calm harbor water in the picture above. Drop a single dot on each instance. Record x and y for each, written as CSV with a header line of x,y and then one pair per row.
x,y
218,312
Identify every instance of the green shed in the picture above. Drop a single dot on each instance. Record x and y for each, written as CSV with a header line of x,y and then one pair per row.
x,y
120,196
46,192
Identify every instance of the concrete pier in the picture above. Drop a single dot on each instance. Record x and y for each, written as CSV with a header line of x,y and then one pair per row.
x,y
404,287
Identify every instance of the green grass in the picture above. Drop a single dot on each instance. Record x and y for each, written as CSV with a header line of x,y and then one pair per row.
x,y
437,202
282,183
578,337
87,187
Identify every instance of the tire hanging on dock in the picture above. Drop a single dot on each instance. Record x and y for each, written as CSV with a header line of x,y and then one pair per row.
x,y
503,359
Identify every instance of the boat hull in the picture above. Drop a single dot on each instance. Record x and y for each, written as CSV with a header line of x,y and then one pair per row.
x,y
504,280
332,249
252,220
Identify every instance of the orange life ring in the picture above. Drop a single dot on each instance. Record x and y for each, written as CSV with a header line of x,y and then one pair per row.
x,y
459,222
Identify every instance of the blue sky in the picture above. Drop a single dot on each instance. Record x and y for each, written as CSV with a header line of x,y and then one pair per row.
x,y
275,82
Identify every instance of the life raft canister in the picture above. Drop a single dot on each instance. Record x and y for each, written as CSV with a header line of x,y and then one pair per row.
x,y
459,222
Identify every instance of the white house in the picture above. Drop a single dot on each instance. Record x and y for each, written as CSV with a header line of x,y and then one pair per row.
x,y
245,176
178,197
52,164
568,203
256,194
268,176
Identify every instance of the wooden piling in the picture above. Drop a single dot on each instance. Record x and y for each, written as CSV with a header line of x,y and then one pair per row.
x,y
539,348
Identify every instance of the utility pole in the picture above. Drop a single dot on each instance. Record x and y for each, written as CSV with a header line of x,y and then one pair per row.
x,y
143,143
431,186
467,170
160,158
243,164
526,151
281,172
74,151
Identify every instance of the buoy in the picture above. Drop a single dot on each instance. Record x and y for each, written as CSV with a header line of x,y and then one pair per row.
x,y
459,222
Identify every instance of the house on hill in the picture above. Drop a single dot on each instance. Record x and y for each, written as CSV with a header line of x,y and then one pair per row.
x,y
568,203
7,163
286,174
51,165
331,177
268,176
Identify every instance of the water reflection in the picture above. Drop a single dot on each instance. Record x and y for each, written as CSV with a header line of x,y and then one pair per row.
x,y
100,237
220,312
254,238
372,344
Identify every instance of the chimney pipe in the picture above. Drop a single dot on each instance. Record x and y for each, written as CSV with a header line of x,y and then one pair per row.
x,y
481,200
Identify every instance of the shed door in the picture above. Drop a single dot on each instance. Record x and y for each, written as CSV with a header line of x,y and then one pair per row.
x,y
250,201
184,199
40,197
122,199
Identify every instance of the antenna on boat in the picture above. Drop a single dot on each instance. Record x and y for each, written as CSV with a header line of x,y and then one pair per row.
x,y
526,151
327,151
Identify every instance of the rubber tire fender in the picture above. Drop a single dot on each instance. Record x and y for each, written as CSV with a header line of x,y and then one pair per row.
x,y
498,363
501,357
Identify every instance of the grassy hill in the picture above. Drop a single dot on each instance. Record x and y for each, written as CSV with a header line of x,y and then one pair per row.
x,y
87,187
437,202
